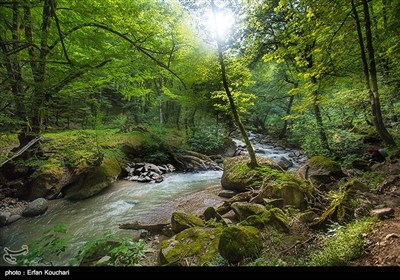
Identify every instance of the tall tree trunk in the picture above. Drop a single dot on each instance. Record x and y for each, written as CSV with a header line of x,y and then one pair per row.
x,y
282,134
370,75
253,160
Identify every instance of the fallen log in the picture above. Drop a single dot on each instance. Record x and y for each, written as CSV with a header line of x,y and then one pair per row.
x,y
137,226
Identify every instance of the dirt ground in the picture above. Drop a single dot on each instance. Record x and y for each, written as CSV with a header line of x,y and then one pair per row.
x,y
383,242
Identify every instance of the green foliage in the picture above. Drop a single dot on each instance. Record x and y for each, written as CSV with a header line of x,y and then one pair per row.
x,y
122,251
206,141
53,244
342,245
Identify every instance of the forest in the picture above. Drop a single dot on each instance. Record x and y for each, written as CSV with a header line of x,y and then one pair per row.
x,y
94,92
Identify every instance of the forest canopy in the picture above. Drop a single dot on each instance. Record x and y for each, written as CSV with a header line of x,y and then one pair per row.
x,y
323,75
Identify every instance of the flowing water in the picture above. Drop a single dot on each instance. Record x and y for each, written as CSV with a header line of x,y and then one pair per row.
x,y
127,201
123,202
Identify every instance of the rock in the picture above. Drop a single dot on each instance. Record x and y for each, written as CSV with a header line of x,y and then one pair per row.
x,y
103,261
308,216
383,213
193,246
13,219
245,209
49,182
227,193
274,217
181,221
229,148
320,171
211,213
275,202
239,242
36,207
291,190
93,182
361,164
239,177
4,217
284,162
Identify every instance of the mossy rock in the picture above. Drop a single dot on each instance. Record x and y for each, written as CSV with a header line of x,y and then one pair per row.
x,y
181,221
48,181
246,209
193,246
238,176
342,205
211,214
321,170
91,183
274,217
239,242
291,190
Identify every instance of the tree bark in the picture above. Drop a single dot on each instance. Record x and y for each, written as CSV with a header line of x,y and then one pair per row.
x,y
370,74
282,134
253,160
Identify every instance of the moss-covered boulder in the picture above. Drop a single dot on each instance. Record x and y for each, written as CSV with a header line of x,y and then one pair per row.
x,y
210,213
181,221
239,177
92,182
343,203
193,246
291,190
48,181
274,217
246,209
320,171
239,242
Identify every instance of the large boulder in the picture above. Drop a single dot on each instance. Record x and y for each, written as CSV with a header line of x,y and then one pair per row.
x,y
4,217
320,171
229,148
91,183
193,246
287,188
181,221
284,162
210,213
36,207
48,183
238,176
239,242
245,209
274,217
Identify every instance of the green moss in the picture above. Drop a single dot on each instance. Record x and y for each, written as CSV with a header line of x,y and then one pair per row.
x,y
345,245
193,246
274,217
181,221
239,242
342,203
239,176
254,221
245,209
91,183
325,163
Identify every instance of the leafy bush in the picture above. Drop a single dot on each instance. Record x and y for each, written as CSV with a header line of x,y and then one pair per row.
x,y
55,244
43,251
206,142
120,252
342,244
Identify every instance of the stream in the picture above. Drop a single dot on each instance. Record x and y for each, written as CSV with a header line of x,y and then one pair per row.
x,y
127,201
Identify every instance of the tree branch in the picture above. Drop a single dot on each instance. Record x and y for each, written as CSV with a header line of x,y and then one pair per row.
x,y
143,50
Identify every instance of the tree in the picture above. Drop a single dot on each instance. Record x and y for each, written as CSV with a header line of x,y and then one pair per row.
x,y
253,160
370,72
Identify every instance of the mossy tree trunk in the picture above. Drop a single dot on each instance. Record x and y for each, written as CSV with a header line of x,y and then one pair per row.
x,y
370,74
253,160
